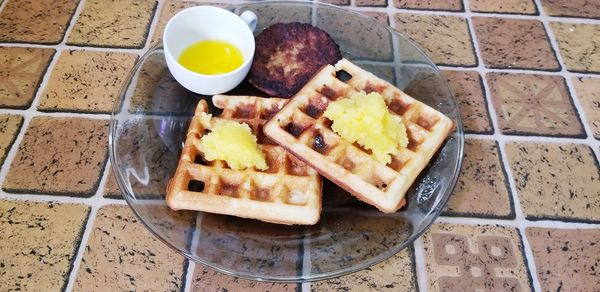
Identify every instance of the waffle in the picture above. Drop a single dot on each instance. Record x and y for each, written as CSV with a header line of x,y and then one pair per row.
x,y
288,192
301,129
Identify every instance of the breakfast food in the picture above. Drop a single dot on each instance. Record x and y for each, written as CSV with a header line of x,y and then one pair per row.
x,y
301,128
287,192
288,55
211,57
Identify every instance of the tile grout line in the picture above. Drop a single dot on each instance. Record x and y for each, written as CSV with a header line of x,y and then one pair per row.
x,y
420,265
82,246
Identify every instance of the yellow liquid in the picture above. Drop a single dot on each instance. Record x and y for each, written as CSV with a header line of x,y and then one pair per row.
x,y
211,57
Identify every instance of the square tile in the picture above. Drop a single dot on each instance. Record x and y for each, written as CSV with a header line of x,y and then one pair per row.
x,y
206,279
514,43
38,243
59,156
450,5
122,255
379,16
395,274
573,8
372,3
371,40
504,6
467,87
336,2
445,39
556,181
588,92
482,189
117,23
566,260
22,70
534,105
475,258
86,81
39,22
579,46
111,188
9,129
272,13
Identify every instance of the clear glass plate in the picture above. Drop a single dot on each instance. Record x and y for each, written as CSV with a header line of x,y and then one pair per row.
x,y
149,124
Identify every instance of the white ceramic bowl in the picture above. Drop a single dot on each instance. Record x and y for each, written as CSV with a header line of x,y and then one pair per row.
x,y
207,22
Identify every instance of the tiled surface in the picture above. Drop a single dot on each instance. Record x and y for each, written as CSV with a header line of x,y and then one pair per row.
x,y
566,260
21,70
525,74
121,255
40,22
514,43
529,104
505,6
38,244
556,180
120,23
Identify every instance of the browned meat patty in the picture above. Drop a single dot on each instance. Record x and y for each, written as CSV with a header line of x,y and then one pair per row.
x,y
288,54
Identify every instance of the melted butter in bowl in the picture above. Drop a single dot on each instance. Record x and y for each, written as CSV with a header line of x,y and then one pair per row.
x,y
211,57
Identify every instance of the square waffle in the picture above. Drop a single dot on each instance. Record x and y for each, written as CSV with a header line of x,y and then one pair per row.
x,y
288,192
301,129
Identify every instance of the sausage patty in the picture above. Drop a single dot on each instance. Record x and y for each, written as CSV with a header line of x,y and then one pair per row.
x,y
288,55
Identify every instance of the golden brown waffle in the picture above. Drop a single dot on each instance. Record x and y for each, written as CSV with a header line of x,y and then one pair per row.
x,y
288,192
301,129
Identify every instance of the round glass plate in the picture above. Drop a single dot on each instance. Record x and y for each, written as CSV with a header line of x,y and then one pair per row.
x,y
148,128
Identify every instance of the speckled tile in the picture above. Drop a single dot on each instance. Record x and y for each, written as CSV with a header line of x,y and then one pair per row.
x,y
336,2
40,22
534,105
371,3
111,188
122,255
38,243
384,72
504,6
271,14
482,188
86,81
206,279
566,260
445,39
556,181
514,43
59,156
579,46
117,23
572,8
379,16
475,258
588,92
9,129
395,274
450,5
21,71
370,40
467,87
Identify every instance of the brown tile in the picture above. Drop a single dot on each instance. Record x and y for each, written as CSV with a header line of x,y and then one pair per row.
x,y
121,23
21,71
578,44
86,81
445,39
269,14
111,188
514,43
336,2
206,279
588,92
368,39
395,274
467,87
450,5
38,243
566,260
40,22
505,6
475,258
59,156
482,188
122,255
384,72
573,8
556,180
379,16
534,105
373,3
9,129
